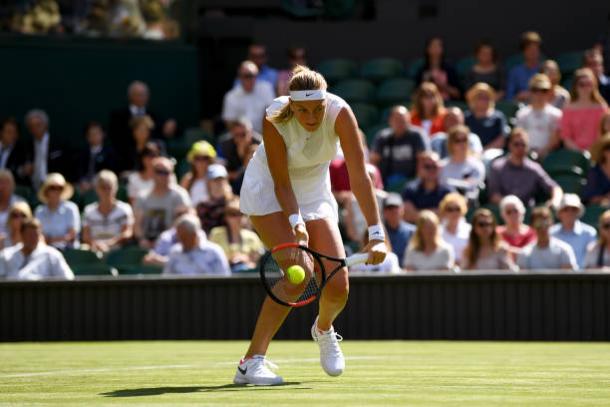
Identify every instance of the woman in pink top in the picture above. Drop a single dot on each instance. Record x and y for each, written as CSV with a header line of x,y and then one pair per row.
x,y
581,117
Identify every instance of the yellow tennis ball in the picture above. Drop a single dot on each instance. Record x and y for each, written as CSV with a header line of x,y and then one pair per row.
x,y
295,274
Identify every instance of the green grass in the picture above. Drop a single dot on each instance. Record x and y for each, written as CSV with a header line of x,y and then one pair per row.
x,y
381,373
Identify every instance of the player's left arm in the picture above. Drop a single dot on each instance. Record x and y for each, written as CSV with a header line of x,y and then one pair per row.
x,y
346,128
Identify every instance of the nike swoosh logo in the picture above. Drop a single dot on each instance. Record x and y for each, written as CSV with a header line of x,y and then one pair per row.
x,y
242,371
308,94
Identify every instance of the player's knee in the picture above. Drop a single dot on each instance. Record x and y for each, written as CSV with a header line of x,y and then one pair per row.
x,y
338,287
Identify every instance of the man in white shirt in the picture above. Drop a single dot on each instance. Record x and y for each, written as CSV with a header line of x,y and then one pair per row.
x,y
194,255
249,98
33,259
540,119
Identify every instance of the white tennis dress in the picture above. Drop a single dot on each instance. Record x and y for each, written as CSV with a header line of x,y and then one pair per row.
x,y
309,155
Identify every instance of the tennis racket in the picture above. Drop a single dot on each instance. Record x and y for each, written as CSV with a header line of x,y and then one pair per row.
x,y
274,264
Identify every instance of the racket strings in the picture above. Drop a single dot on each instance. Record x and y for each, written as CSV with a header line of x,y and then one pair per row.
x,y
274,272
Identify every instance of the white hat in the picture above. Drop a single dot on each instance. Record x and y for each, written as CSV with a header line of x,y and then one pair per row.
x,y
572,201
217,171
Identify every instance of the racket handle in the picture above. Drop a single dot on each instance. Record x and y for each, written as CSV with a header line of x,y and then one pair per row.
x,y
357,258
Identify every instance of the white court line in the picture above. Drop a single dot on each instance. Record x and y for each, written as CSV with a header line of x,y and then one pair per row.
x,y
159,367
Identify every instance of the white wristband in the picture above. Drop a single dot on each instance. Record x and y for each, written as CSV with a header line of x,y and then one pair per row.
x,y
296,219
376,232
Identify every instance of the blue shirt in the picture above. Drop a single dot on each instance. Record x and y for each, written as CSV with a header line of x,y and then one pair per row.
x,y
422,199
57,223
399,238
519,78
597,184
579,238
265,73
487,128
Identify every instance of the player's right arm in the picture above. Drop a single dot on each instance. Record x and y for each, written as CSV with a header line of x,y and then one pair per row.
x,y
277,159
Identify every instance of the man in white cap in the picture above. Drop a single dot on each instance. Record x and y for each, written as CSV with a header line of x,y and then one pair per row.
x,y
571,230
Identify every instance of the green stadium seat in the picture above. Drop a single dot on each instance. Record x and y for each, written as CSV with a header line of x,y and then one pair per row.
x,y
178,148
140,269
25,192
335,70
592,214
127,258
194,134
379,69
567,82
508,108
569,61
76,257
367,115
513,61
457,103
564,161
395,91
570,183
100,269
464,65
355,90
397,184
414,66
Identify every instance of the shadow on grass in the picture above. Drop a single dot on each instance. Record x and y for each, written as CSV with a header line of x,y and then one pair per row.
x,y
157,391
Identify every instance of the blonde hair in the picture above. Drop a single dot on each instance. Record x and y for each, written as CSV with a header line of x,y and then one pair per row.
x,y
453,133
453,198
427,88
302,78
19,206
107,177
142,120
481,87
595,95
417,241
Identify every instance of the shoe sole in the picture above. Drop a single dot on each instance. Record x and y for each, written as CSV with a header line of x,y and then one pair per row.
x,y
244,381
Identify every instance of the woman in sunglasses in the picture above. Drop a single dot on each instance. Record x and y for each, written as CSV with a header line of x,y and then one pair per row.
x,y
201,155
581,117
17,213
514,232
598,254
455,230
485,251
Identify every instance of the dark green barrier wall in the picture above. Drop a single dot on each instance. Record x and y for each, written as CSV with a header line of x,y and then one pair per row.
x,y
78,80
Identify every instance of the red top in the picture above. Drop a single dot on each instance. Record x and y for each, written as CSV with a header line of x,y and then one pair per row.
x,y
437,122
581,126
519,240
339,177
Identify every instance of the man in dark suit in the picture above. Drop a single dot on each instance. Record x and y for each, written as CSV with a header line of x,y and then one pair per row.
x,y
43,155
12,153
96,156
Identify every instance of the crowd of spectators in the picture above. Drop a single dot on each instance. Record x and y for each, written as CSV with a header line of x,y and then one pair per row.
x,y
459,186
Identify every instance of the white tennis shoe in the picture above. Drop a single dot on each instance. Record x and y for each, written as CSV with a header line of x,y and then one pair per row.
x,y
331,357
257,371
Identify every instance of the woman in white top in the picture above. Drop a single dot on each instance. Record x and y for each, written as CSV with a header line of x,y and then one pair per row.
x,y
140,183
201,155
286,193
108,223
455,230
427,250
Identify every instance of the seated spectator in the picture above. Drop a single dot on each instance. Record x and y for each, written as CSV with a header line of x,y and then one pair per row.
x,y
249,98
571,230
257,53
236,148
604,137
486,70
12,152
548,253
520,75
60,218
33,259
192,255
426,192
211,212
141,132
201,155
462,170
18,212
483,119
107,223
395,148
559,95
242,247
516,174
438,71
597,190
598,253
96,156
428,110
140,182
438,142
485,250
399,232
354,221
594,60
455,230
7,197
427,250
251,150
155,211
44,154
296,56
515,233
388,265
540,119
581,117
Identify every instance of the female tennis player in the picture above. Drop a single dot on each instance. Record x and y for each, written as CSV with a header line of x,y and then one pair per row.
x,y
286,193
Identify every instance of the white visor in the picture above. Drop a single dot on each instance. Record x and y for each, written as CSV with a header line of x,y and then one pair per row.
x,y
301,95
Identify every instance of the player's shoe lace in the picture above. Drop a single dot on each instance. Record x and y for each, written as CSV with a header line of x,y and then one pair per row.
x,y
331,356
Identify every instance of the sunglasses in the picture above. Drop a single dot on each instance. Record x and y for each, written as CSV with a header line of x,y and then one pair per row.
x,y
519,144
201,158
18,215
460,141
484,224
233,214
247,76
164,172
605,226
511,211
55,188
452,209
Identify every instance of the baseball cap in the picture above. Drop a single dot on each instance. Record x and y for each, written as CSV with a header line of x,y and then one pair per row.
x,y
393,199
217,171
